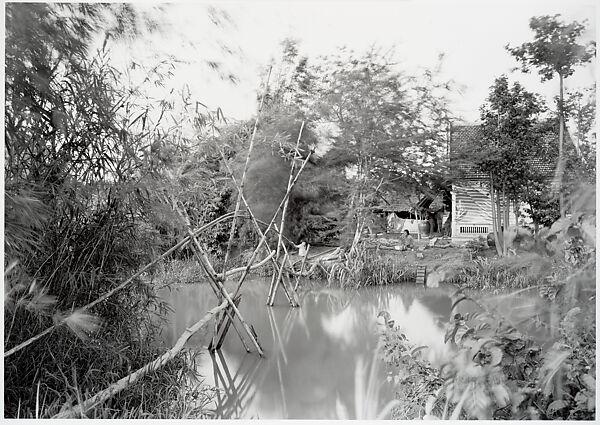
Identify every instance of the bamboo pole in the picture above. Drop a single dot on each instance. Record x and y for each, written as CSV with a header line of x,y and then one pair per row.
x,y
263,235
286,285
285,204
274,291
217,340
255,221
212,276
254,266
290,293
221,322
263,238
121,384
241,187
221,338
259,231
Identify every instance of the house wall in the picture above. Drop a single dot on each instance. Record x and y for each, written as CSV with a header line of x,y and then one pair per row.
x,y
472,211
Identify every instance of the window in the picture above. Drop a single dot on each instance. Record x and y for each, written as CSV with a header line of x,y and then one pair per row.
x,y
473,229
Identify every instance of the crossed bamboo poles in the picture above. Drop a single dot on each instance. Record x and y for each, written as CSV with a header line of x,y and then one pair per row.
x,y
217,280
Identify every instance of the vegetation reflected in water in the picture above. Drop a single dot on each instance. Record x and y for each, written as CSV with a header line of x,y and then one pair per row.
x,y
321,359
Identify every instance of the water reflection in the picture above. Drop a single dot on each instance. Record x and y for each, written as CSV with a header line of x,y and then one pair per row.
x,y
237,390
313,352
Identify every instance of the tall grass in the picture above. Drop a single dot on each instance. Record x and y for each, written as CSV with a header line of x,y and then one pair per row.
x,y
368,267
497,273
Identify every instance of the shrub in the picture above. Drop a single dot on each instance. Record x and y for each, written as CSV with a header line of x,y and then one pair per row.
x,y
497,372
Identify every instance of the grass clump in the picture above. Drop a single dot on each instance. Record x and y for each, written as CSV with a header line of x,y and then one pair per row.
x,y
367,267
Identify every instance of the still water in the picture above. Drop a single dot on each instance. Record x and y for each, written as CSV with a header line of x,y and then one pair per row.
x,y
320,359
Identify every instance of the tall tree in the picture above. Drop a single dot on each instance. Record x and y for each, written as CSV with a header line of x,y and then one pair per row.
x,y
555,51
388,126
509,140
580,111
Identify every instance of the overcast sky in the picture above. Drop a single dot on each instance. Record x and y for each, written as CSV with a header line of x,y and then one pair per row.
x,y
470,34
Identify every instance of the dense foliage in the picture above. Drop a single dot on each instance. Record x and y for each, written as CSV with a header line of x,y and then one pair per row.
x,y
555,51
86,173
496,369
98,184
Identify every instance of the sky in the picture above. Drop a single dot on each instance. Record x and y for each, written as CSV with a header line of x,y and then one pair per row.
x,y
470,34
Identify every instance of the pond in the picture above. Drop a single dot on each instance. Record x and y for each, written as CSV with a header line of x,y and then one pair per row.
x,y
320,359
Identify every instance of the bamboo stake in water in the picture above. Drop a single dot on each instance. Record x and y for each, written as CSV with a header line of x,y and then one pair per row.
x,y
285,204
212,276
257,227
292,300
274,290
271,223
287,287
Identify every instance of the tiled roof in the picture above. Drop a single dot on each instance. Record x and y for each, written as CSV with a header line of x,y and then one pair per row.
x,y
461,139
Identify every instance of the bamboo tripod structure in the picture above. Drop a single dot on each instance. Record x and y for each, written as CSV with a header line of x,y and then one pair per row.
x,y
222,325
217,281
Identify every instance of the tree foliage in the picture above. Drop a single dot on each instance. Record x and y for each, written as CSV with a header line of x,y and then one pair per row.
x,y
85,164
555,49
509,138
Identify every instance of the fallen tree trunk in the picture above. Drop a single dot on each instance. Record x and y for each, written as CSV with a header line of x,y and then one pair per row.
x,y
100,397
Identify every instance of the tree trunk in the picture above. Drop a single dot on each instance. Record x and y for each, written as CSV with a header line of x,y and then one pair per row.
x,y
561,136
506,220
495,227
